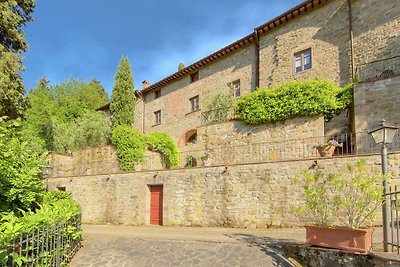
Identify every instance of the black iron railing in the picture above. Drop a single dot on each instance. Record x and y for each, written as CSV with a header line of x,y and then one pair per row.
x,y
44,245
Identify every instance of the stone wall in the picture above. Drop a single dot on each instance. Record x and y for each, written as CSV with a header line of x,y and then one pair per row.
x,y
176,115
324,30
376,30
375,101
227,143
89,161
234,142
255,195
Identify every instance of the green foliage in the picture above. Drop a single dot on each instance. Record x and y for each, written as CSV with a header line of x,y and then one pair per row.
x,y
62,118
20,165
181,66
348,199
166,145
131,146
123,96
360,195
57,207
217,107
299,98
13,16
191,161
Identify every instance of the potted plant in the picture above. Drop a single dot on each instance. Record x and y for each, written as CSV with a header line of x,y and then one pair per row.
x,y
340,206
191,161
327,147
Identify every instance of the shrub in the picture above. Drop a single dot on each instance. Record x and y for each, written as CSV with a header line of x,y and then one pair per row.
x,y
130,145
164,143
217,107
299,98
345,199
20,186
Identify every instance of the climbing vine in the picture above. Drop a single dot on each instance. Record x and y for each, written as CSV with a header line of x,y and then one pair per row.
x,y
131,146
299,98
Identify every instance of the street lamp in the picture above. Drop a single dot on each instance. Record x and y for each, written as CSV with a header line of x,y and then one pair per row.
x,y
384,135
46,172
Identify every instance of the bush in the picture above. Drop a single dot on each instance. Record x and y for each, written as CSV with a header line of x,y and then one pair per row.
x,y
345,199
164,143
218,107
299,98
20,186
131,146
58,210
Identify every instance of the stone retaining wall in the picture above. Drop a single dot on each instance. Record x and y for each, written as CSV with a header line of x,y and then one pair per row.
x,y
253,196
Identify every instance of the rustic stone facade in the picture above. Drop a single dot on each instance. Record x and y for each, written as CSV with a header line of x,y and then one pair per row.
x,y
256,195
356,39
325,31
346,41
227,143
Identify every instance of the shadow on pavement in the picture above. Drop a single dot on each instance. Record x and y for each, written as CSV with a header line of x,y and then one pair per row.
x,y
273,247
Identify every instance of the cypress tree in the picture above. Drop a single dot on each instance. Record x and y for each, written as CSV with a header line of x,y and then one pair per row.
x,y
123,98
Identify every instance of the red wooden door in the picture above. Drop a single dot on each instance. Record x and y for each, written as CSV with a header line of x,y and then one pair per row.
x,y
156,204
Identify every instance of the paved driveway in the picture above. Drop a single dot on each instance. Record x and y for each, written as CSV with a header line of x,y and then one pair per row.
x,y
121,246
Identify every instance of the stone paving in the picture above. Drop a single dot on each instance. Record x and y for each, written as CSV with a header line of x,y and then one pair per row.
x,y
129,246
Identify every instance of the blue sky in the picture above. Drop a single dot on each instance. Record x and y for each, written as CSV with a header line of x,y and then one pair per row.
x,y
85,39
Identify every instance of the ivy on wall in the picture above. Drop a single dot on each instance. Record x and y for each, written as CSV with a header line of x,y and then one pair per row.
x,y
299,98
131,146
166,145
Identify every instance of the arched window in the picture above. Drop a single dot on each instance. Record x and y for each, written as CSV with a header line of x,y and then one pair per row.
x,y
191,137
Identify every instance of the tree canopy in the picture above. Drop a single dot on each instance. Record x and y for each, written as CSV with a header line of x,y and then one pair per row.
x,y
123,96
13,16
62,118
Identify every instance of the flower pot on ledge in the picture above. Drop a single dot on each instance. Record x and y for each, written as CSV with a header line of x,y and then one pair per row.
x,y
326,151
347,239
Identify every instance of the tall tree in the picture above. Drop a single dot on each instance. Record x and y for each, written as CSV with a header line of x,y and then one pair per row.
x,y
14,14
62,118
123,95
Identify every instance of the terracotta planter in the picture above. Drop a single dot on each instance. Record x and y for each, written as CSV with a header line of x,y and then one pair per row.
x,y
354,240
326,151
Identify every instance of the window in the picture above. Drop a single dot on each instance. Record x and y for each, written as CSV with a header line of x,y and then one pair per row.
x,y
157,116
157,94
235,86
303,60
194,77
194,103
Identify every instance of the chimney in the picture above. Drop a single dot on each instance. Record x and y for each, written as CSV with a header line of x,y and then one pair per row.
x,y
145,84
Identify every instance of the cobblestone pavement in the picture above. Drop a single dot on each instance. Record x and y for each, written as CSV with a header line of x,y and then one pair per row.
x,y
124,246
131,246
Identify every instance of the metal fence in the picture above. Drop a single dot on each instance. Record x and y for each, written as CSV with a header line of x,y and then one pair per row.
x,y
50,245
291,149
394,236
240,152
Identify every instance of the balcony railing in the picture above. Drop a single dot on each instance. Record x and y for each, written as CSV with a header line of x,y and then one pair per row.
x,y
295,149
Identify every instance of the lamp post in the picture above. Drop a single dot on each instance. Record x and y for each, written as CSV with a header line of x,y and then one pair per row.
x,y
384,135
46,172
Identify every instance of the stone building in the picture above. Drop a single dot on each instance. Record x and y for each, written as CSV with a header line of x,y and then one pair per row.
x,y
337,40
